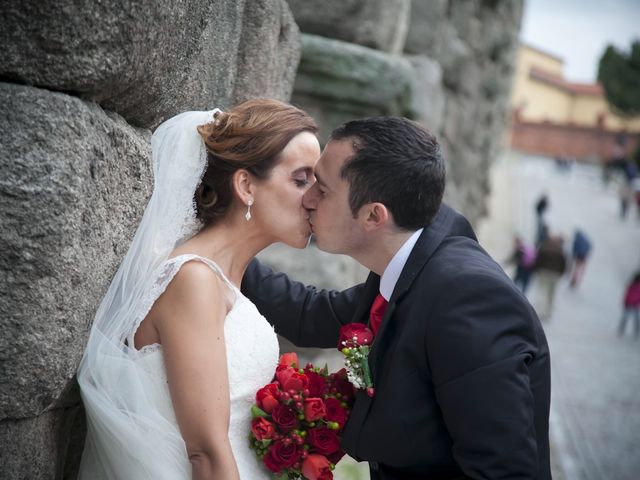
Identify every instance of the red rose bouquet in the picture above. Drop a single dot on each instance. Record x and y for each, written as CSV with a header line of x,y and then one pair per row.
x,y
355,343
298,418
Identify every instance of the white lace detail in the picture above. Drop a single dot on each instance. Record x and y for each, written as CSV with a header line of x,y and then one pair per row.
x,y
151,348
163,277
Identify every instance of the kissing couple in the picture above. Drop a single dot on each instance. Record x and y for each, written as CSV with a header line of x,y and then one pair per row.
x,y
185,335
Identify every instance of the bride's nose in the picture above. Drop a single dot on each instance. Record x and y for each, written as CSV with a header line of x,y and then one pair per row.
x,y
310,197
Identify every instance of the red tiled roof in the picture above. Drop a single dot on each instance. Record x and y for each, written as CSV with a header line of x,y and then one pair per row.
x,y
559,82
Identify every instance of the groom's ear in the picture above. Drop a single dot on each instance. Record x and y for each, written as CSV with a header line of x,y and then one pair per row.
x,y
242,182
374,216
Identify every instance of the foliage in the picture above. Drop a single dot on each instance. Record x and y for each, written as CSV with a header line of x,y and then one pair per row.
x,y
619,74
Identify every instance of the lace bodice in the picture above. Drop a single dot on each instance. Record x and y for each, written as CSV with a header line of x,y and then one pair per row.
x,y
252,355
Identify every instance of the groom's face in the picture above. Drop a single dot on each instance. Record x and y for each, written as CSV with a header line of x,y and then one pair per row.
x,y
332,223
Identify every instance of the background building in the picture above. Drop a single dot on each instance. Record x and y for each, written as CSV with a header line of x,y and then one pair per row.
x,y
554,117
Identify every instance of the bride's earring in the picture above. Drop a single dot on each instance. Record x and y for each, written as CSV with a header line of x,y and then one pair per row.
x,y
248,214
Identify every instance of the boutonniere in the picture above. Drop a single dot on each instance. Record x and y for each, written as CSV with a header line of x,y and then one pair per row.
x,y
355,344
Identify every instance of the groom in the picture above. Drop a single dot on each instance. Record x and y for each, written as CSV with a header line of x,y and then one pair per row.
x,y
460,363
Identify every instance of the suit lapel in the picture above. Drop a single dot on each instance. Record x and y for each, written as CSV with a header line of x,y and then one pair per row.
x,y
371,289
427,243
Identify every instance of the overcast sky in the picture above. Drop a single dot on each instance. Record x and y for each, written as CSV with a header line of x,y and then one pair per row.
x,y
579,30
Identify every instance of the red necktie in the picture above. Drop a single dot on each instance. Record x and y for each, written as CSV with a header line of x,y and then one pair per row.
x,y
376,313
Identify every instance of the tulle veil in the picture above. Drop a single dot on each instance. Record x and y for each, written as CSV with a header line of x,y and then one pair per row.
x,y
126,436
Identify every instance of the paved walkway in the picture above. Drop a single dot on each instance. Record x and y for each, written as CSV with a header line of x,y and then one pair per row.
x,y
595,418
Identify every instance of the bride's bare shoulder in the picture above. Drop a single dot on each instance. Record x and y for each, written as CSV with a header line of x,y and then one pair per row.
x,y
194,294
194,289
194,272
195,277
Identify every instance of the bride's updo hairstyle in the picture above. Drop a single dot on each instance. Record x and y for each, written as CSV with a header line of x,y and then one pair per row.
x,y
250,136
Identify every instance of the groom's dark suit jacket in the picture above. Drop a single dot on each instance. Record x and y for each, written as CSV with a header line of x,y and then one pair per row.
x,y
460,364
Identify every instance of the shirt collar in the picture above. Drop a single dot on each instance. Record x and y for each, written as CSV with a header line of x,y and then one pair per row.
x,y
392,273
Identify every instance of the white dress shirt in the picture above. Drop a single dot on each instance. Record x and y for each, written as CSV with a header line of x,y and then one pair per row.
x,y
392,273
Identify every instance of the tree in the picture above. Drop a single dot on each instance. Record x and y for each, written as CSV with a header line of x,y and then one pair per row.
x,y
619,74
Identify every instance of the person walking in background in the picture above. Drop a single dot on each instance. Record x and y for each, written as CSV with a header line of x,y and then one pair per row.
x,y
524,257
631,306
636,193
550,264
580,252
625,194
627,171
542,230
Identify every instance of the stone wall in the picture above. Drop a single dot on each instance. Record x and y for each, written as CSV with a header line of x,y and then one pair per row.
x,y
82,85
475,43
75,179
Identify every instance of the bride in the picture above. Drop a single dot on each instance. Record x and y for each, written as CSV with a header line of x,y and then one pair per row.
x,y
176,352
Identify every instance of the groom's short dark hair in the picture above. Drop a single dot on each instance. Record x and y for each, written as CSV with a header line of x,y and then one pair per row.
x,y
397,162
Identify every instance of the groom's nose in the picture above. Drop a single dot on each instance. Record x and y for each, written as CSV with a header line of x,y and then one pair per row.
x,y
310,197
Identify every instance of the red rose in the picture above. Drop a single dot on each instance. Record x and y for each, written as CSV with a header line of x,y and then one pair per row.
x,y
342,385
314,409
316,467
281,456
289,359
285,417
290,379
354,335
262,429
297,382
335,411
317,384
265,397
323,440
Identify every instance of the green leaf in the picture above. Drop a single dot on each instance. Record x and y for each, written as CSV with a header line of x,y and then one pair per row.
x,y
366,373
258,412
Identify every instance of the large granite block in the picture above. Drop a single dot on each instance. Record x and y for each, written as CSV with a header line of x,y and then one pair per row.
x,y
339,81
428,95
378,24
44,447
75,181
269,51
145,60
426,22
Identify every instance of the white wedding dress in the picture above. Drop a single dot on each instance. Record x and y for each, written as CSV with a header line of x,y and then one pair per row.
x,y
252,356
